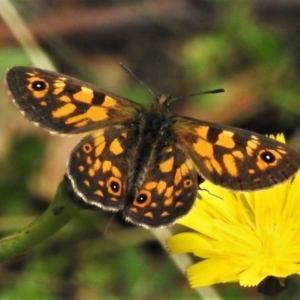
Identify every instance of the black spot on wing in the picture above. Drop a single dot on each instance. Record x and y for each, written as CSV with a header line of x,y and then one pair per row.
x,y
213,134
98,98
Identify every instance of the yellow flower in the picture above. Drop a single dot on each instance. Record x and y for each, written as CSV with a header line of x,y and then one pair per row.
x,y
242,237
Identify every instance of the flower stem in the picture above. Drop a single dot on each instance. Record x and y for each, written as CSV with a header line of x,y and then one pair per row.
x,y
60,212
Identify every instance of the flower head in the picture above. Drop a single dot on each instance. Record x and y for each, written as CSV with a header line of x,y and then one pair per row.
x,y
242,237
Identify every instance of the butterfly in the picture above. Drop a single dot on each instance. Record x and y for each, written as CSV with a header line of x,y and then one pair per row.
x,y
144,160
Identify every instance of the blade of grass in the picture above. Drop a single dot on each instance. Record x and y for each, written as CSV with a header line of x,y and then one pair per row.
x,y
24,36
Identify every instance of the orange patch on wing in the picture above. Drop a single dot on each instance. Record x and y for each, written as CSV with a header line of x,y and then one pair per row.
x,y
202,131
225,139
63,110
134,209
106,166
177,177
150,185
149,214
167,165
178,192
115,147
94,114
95,167
238,154
59,86
184,169
164,214
91,172
168,201
169,191
99,149
97,164
86,95
204,148
65,98
252,144
161,186
230,165
216,166
99,193
81,124
80,168
249,151
208,165
109,102
116,172
262,165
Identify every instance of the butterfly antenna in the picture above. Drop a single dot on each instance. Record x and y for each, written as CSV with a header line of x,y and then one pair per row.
x,y
136,78
216,91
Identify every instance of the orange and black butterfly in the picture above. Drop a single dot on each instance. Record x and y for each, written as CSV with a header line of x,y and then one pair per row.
x,y
143,160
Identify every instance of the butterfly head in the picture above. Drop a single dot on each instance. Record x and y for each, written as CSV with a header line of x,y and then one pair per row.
x,y
162,102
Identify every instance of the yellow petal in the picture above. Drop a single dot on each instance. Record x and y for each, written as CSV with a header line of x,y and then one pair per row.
x,y
211,271
191,242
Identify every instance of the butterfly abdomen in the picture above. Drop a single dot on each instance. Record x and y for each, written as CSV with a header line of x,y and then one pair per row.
x,y
152,131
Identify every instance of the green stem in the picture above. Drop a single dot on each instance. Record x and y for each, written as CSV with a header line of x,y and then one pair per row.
x,y
60,212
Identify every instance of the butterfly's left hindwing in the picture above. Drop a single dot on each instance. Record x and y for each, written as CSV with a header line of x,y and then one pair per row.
x,y
64,104
234,158
99,167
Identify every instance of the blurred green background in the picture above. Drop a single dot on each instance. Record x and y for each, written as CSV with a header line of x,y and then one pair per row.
x,y
251,49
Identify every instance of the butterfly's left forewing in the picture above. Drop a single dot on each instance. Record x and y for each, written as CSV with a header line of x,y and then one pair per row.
x,y
234,158
65,105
